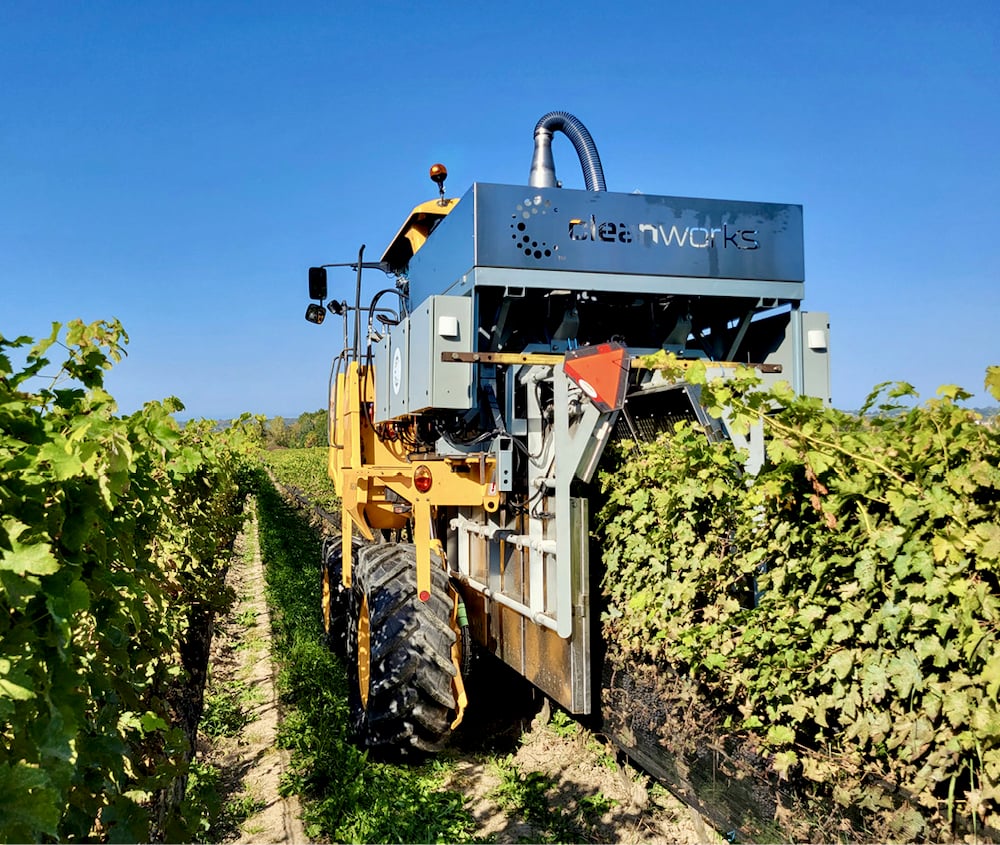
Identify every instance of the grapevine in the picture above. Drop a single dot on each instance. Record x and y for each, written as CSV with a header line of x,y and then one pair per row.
x,y
304,470
113,538
841,609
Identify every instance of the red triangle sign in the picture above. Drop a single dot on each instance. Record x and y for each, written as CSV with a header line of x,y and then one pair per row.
x,y
601,372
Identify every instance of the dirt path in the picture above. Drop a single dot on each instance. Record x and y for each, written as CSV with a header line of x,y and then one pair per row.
x,y
553,780
242,671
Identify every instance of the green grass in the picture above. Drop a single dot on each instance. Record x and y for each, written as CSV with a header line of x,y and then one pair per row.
x,y
604,751
562,724
213,816
202,805
346,796
226,712
252,643
247,618
529,796
238,809
556,813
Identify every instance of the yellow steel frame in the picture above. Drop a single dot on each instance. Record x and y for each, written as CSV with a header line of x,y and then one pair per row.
x,y
549,359
365,469
418,227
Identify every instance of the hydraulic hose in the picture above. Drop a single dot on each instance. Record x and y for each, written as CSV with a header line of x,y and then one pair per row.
x,y
543,169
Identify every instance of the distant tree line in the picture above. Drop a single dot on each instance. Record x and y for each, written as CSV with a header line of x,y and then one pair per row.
x,y
989,414
307,431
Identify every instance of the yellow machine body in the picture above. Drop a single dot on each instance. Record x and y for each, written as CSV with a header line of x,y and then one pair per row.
x,y
373,477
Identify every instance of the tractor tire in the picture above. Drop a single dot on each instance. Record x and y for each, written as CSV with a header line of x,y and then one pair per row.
x,y
399,663
334,599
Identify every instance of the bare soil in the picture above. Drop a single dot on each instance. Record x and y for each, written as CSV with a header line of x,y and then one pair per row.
x,y
591,793
598,794
251,763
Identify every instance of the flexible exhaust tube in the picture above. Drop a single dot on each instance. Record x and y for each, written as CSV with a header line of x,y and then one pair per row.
x,y
543,168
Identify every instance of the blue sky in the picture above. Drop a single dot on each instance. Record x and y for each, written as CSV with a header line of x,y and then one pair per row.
x,y
179,165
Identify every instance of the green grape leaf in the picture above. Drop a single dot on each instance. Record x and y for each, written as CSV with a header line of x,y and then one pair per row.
x,y
697,373
841,663
993,381
780,735
63,463
953,391
783,761
29,806
991,676
14,682
904,674
25,558
783,392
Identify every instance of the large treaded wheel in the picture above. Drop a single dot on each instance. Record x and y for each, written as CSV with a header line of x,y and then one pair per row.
x,y
399,653
334,600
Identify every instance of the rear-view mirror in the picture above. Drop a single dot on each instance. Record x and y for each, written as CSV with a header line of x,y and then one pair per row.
x,y
317,283
315,313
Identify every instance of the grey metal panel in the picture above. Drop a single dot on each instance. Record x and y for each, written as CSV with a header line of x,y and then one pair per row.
x,y
381,357
448,253
686,286
641,243
580,643
389,355
441,324
560,666
636,233
397,377
804,364
816,355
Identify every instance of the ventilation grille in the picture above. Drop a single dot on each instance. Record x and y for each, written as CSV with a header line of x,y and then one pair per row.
x,y
648,414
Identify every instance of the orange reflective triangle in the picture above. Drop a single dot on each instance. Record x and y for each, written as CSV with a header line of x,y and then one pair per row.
x,y
601,373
